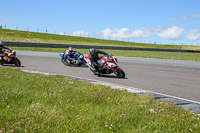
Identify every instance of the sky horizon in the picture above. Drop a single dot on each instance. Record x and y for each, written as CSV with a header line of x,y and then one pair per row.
x,y
161,22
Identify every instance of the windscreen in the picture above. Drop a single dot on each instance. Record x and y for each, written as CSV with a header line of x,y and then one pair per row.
x,y
109,58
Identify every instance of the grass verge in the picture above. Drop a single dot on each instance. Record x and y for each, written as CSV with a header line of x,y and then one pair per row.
x,y
128,53
24,36
40,103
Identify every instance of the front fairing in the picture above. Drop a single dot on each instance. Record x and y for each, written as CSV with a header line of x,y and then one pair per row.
x,y
81,57
111,65
78,56
62,54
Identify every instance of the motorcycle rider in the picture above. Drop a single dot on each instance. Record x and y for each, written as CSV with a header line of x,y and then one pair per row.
x,y
1,49
69,53
94,57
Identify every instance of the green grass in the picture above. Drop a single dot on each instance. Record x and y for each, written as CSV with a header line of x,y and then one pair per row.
x,y
40,103
24,36
128,53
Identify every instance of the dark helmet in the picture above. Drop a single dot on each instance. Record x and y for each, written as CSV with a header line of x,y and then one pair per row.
x,y
92,51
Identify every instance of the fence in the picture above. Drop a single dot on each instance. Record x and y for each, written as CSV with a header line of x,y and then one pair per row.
x,y
105,38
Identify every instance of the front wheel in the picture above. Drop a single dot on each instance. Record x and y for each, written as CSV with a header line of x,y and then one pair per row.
x,y
92,69
84,63
17,62
120,73
64,61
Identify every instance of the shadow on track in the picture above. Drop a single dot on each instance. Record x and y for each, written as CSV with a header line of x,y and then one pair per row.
x,y
111,76
78,66
10,65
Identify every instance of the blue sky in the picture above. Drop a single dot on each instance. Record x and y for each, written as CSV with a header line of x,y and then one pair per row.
x,y
169,21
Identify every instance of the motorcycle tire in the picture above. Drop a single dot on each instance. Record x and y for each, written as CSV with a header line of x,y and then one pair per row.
x,y
120,73
92,69
64,62
84,63
17,62
95,73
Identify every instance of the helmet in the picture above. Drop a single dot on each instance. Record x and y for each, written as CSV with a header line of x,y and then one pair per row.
x,y
92,51
70,49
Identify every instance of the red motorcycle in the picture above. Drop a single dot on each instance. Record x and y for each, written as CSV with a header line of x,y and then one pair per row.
x,y
109,66
9,57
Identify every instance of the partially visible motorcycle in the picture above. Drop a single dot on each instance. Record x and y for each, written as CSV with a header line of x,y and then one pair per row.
x,y
9,57
76,59
110,65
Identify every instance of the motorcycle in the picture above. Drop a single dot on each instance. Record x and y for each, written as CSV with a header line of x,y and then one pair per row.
x,y
9,57
109,66
77,59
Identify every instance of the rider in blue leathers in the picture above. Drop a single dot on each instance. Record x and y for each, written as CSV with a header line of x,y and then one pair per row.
x,y
70,54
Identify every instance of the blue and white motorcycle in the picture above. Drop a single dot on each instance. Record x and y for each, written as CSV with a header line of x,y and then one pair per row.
x,y
76,59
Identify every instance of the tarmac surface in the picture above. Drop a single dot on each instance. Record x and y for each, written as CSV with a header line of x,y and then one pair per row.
x,y
170,77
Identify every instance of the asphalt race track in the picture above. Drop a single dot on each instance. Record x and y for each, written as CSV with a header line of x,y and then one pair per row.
x,y
170,77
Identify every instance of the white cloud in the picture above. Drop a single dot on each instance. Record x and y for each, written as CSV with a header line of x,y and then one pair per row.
x,y
80,33
61,33
189,17
171,33
122,33
194,34
166,33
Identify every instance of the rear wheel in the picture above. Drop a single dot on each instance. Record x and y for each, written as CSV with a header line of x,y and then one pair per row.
x,y
17,62
120,73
